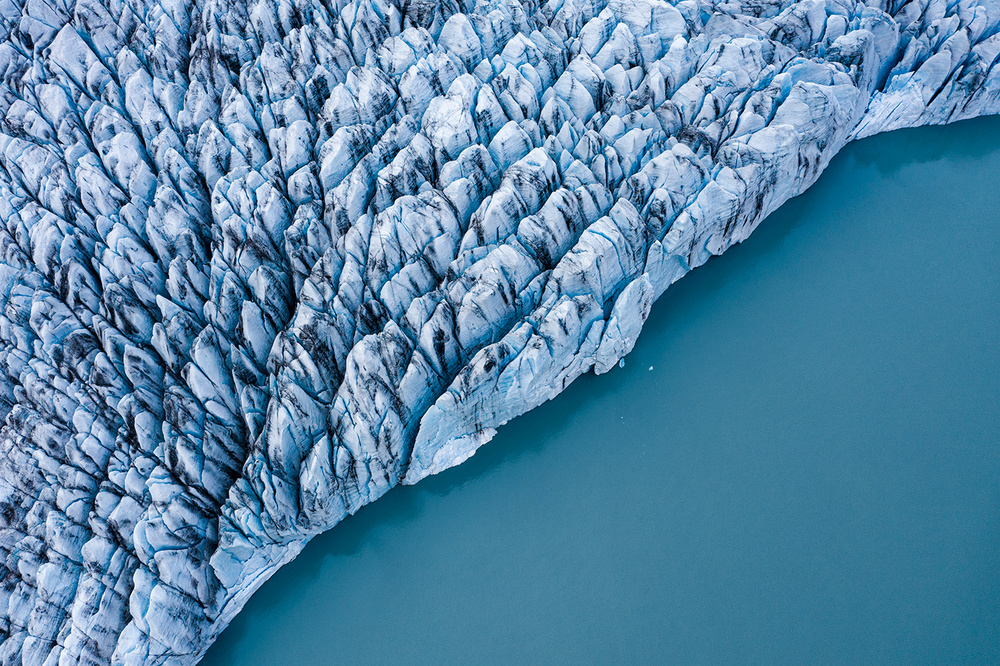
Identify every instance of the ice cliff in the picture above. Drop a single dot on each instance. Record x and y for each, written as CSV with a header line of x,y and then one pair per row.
x,y
264,260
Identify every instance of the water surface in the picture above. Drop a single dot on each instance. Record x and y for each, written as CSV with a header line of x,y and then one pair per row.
x,y
800,463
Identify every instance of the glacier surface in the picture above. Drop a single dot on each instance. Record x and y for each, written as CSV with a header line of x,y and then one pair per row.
x,y
262,261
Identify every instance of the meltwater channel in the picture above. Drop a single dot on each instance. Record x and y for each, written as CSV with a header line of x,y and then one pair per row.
x,y
799,463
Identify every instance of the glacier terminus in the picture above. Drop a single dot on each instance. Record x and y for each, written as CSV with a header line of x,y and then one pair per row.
x,y
261,261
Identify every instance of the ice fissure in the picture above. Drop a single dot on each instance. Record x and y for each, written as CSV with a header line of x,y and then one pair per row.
x,y
262,261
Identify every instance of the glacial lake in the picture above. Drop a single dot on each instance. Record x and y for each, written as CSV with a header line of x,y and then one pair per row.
x,y
799,463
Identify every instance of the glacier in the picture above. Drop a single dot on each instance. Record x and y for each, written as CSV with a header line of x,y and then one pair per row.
x,y
262,261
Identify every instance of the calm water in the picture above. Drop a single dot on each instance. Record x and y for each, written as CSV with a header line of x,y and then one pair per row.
x,y
799,463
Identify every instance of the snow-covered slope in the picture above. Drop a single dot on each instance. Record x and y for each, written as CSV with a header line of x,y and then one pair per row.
x,y
263,261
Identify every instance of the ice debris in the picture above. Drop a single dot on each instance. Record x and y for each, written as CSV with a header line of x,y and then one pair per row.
x,y
262,261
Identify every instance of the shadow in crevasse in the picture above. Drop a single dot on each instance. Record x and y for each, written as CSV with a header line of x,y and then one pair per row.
x,y
929,144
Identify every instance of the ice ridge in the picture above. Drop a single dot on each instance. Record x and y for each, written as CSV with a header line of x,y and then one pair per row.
x,y
262,261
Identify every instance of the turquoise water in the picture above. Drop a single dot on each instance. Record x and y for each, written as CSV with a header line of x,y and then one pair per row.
x,y
808,473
